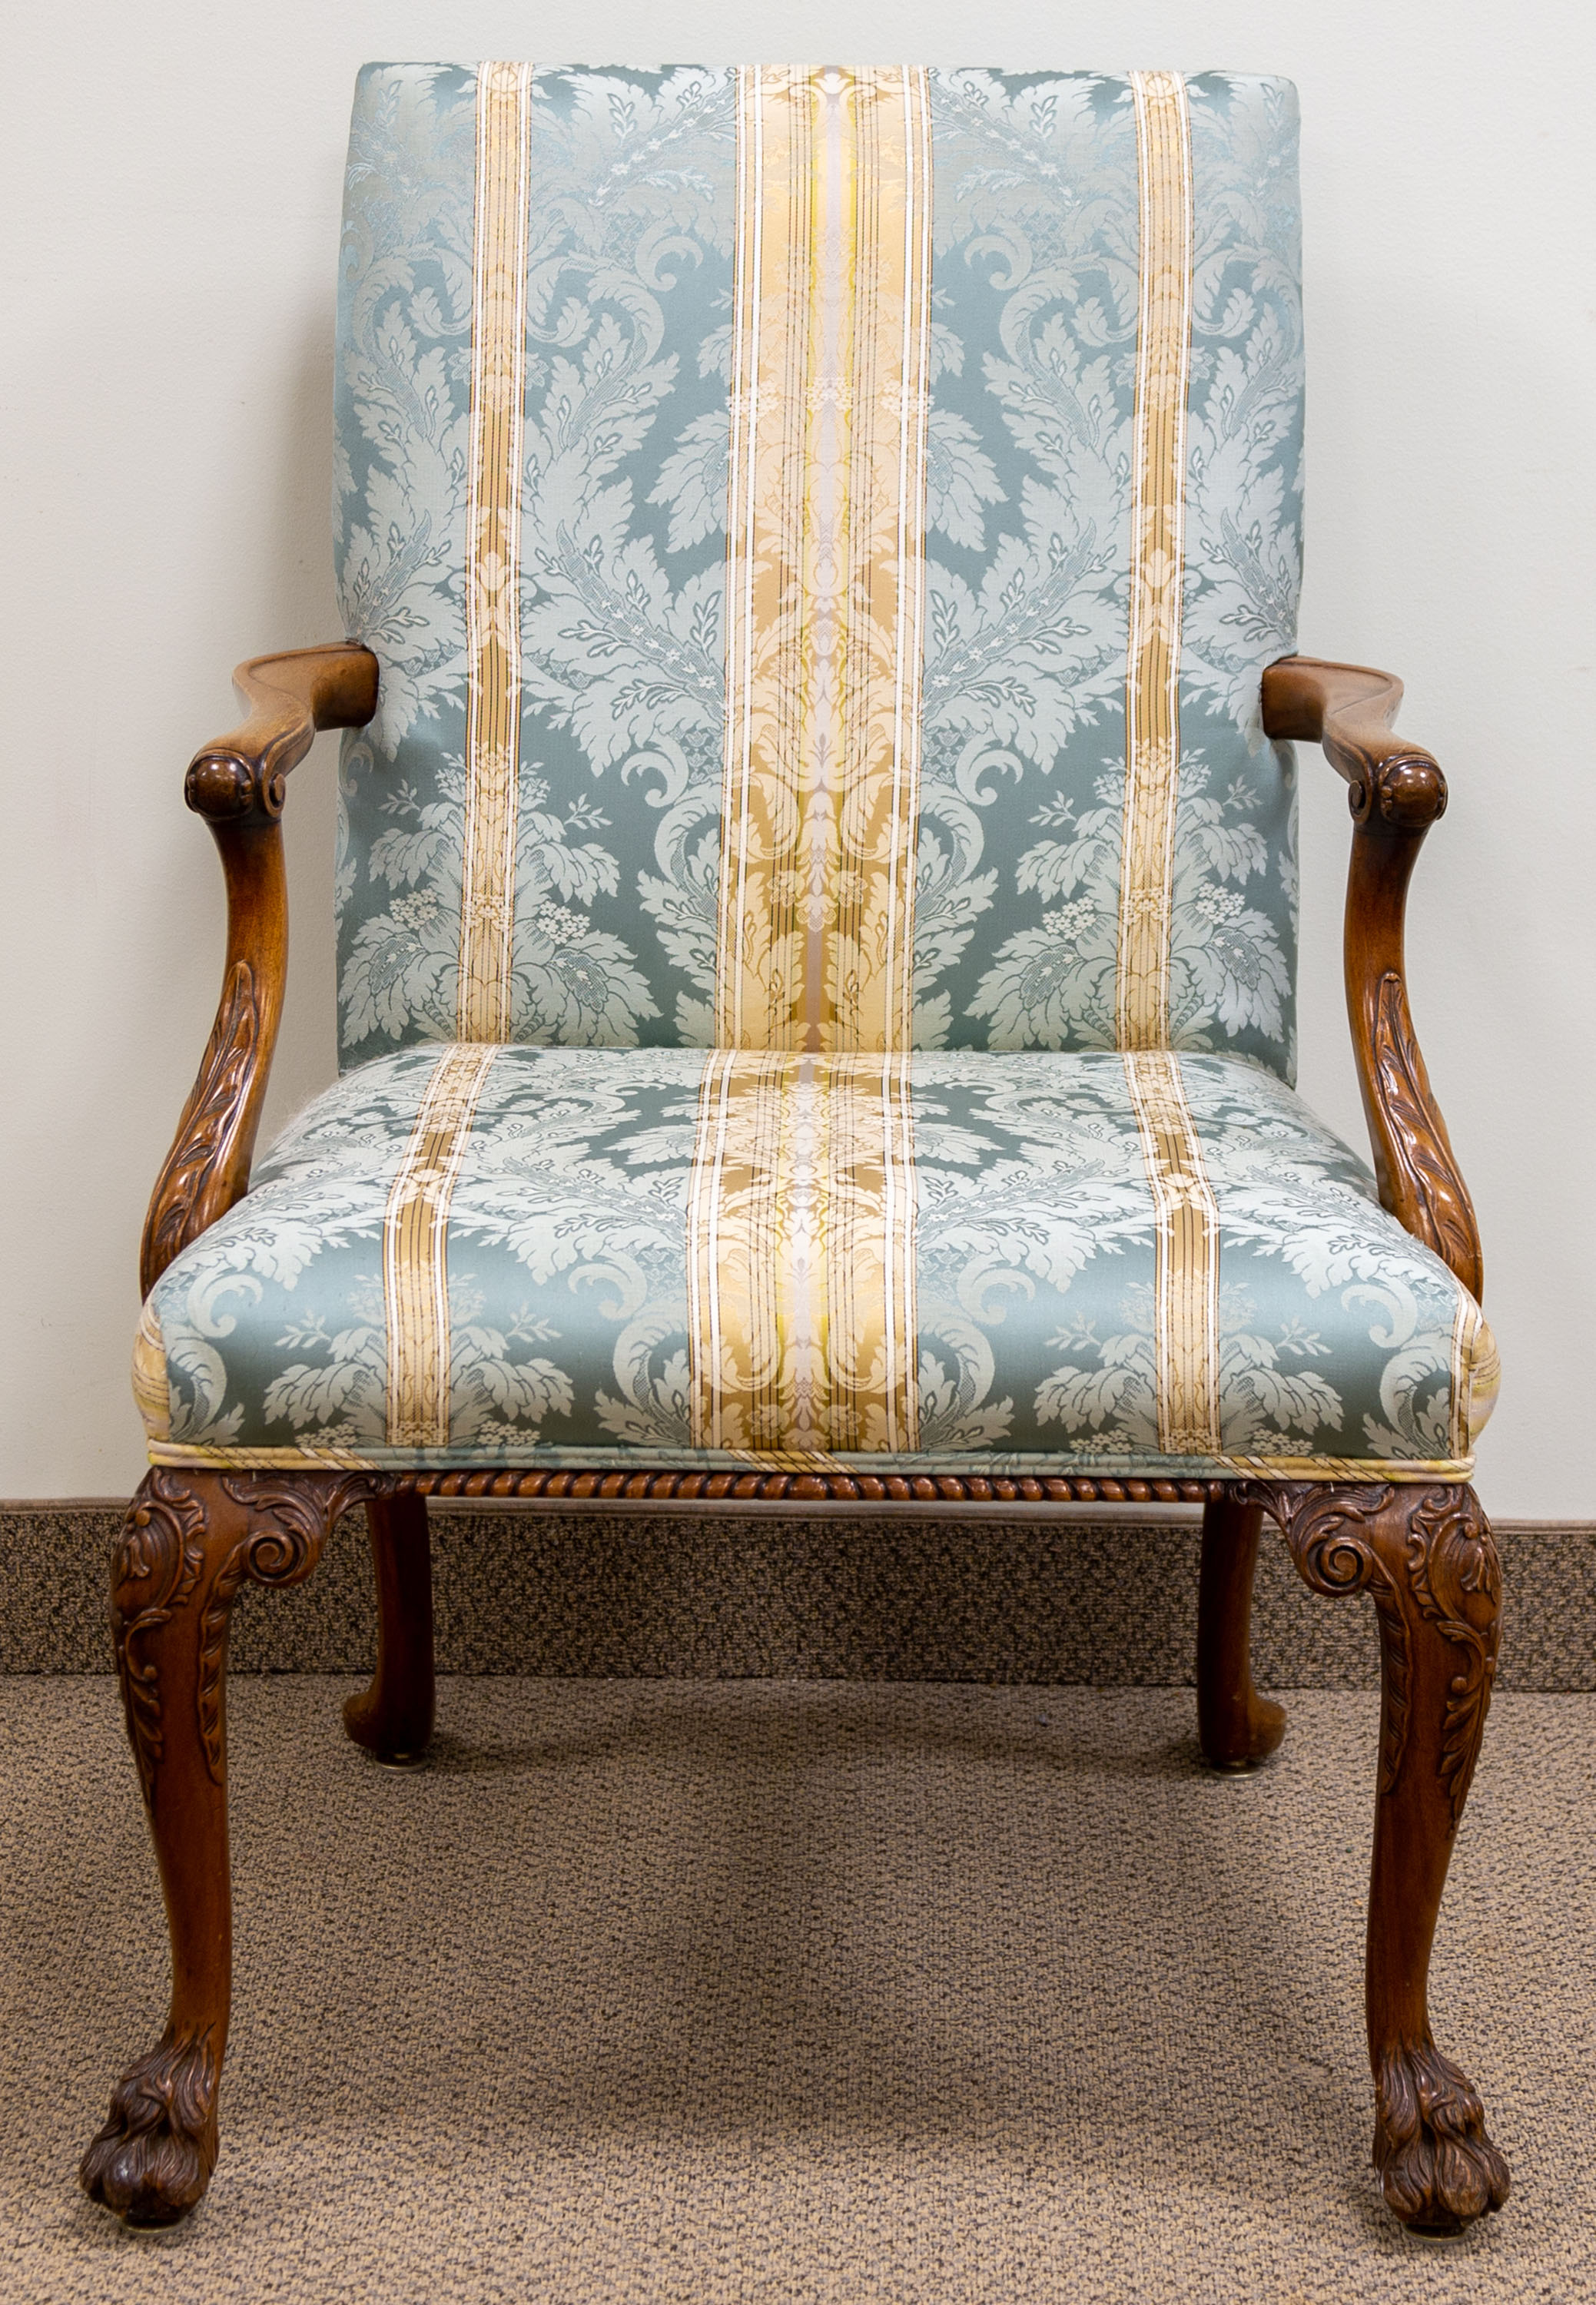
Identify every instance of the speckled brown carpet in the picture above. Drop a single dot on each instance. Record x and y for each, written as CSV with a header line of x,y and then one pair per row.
x,y
1102,1597
791,1991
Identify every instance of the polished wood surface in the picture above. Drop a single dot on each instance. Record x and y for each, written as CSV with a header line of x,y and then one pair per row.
x,y
811,1488
239,784
1424,1552
1235,1726
1397,792
393,1717
190,1543
1426,1558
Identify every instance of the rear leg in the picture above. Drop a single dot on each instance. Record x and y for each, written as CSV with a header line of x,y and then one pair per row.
x,y
392,1717
1236,1727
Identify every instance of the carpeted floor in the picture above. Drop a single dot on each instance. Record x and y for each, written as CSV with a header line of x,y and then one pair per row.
x,y
657,1991
1102,1595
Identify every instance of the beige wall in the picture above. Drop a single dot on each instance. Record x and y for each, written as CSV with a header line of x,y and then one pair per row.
x,y
172,205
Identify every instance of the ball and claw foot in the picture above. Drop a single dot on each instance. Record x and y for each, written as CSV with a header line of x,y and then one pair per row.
x,y
1439,2169
152,2161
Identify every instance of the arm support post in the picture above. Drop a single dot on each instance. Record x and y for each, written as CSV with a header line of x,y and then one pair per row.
x,y
239,784
1397,792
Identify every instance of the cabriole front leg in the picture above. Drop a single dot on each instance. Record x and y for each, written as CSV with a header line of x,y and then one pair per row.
x,y
1426,1556
190,1541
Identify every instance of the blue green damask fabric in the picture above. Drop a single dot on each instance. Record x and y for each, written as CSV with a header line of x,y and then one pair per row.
x,y
816,906
1037,556
565,1193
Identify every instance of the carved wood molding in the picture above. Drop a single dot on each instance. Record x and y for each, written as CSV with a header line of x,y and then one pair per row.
x,y
181,1206
1421,1553
812,1488
1455,1574
170,1550
1426,1180
158,1563
289,1521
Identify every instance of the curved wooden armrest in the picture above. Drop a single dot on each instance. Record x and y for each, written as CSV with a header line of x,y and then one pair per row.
x,y
1396,791
243,777
238,785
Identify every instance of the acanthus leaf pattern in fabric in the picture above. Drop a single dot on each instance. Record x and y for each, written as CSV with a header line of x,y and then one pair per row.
x,y
822,533
1038,313
1029,328
829,352
1019,1264
611,827
801,1256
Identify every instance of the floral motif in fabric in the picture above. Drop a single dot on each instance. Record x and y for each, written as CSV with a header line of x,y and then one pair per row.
x,y
1047,1327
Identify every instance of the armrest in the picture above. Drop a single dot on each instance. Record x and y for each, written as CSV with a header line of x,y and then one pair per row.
x,y
238,785
1395,791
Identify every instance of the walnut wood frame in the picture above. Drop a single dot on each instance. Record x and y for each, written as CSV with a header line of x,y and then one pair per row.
x,y
1423,1551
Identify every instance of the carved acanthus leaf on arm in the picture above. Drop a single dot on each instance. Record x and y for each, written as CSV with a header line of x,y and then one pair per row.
x,y
1431,1182
195,1174
239,785
1397,792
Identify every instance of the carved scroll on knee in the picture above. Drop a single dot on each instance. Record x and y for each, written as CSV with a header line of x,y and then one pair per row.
x,y
1425,1554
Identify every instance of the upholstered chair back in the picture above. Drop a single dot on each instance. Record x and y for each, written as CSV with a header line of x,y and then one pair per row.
x,y
822,531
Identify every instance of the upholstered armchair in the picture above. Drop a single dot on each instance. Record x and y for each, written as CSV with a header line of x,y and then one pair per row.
x,y
816,917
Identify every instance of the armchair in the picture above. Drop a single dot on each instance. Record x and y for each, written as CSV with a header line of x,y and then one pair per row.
x,y
816,935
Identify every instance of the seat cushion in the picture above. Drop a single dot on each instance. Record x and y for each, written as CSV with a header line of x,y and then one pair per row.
x,y
1070,1262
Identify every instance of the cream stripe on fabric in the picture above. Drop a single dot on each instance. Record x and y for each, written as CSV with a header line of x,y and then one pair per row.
x,y
1476,1374
800,1255
1157,550
152,1388
1186,1313
493,552
827,561
415,1250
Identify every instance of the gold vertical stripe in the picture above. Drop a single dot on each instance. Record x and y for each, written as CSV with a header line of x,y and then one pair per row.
x,y
493,552
1186,1313
800,1255
826,560
1158,552
415,1250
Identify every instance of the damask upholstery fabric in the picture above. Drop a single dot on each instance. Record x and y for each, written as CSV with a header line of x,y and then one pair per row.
x,y
1085,1262
822,533
817,907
